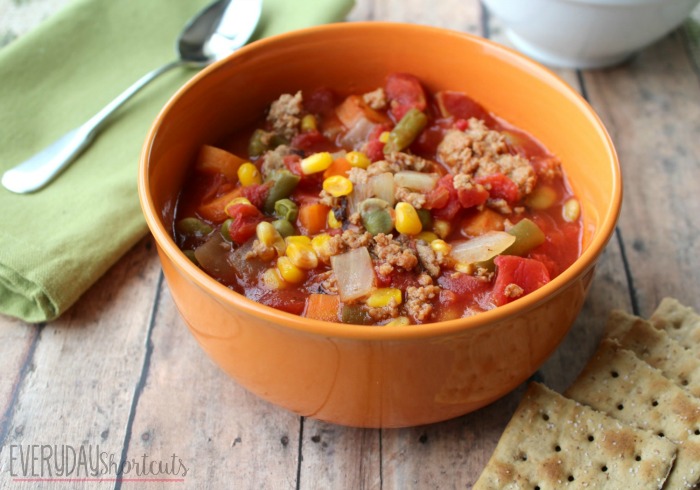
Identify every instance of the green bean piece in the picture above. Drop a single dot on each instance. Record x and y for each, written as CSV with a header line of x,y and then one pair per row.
x,y
527,236
193,227
406,130
377,221
425,218
286,209
257,145
284,227
354,314
225,230
283,184
261,141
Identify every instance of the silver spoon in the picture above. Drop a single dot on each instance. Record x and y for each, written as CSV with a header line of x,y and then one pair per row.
x,y
212,34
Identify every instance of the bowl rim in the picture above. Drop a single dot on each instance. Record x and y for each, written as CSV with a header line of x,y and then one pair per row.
x,y
585,262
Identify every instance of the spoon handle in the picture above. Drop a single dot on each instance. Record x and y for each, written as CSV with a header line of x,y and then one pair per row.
x,y
40,169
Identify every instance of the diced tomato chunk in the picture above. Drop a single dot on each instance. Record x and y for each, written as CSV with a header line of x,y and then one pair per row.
x,y
256,194
526,274
463,284
244,220
459,105
293,164
500,187
320,101
310,181
443,199
374,149
291,300
437,198
310,141
404,92
472,197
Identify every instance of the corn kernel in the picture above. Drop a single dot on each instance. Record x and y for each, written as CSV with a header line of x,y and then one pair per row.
x,y
239,200
427,236
308,122
337,186
267,234
383,297
303,256
298,239
441,246
442,228
384,137
399,321
333,221
357,159
321,245
290,272
318,162
571,210
272,279
407,220
543,197
248,174
466,268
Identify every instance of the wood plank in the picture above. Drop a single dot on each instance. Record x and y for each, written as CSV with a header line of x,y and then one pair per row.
x,y
459,15
656,132
17,344
225,436
339,457
79,386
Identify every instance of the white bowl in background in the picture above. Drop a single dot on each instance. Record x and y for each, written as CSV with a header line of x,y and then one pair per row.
x,y
587,33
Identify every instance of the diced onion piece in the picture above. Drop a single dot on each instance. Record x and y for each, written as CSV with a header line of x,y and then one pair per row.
x,y
382,186
358,133
354,273
481,248
360,192
417,181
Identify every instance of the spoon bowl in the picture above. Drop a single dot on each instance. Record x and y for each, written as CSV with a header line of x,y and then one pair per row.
x,y
212,34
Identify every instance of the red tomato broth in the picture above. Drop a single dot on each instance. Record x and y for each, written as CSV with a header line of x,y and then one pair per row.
x,y
463,290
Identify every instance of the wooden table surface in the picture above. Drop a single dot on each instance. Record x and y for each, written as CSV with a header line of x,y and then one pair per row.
x,y
120,371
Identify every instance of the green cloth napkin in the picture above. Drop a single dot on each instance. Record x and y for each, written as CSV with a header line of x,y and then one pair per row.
x,y
55,243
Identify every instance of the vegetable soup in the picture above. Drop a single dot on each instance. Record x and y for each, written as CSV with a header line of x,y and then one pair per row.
x,y
391,207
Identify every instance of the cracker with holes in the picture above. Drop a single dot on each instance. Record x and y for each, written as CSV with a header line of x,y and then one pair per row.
x,y
656,348
680,322
552,442
617,382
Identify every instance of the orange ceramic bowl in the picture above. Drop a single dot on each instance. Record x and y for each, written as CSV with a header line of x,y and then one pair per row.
x,y
374,376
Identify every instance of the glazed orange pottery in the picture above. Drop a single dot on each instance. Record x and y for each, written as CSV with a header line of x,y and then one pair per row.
x,y
378,376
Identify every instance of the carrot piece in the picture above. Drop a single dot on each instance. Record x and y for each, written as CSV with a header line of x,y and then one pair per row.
x,y
322,307
313,217
215,160
215,210
353,108
340,166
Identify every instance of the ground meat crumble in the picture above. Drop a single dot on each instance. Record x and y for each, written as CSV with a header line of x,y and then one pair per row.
x,y
285,115
392,253
419,301
376,99
480,152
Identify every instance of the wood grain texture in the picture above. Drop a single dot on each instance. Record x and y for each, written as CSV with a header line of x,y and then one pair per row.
x,y
188,407
81,380
651,108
